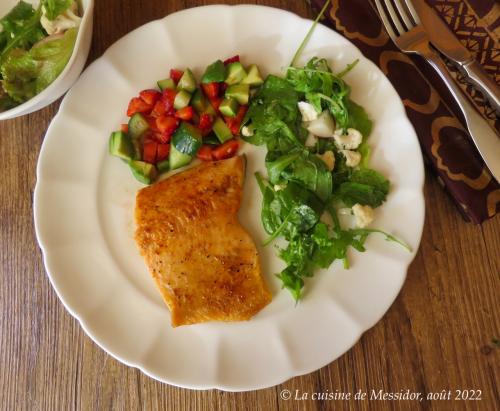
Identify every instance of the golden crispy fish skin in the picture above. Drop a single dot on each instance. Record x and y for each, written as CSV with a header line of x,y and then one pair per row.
x,y
204,263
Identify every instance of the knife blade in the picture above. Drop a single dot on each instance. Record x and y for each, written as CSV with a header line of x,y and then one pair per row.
x,y
443,39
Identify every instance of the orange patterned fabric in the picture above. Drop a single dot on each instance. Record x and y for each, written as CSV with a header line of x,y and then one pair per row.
x,y
447,147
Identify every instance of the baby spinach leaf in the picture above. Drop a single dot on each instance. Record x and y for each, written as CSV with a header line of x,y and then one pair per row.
x,y
366,187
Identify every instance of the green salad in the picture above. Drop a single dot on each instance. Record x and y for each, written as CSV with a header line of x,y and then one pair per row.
x,y
35,46
317,166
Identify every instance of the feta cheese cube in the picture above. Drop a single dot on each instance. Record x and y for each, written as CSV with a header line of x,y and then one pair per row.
x,y
363,215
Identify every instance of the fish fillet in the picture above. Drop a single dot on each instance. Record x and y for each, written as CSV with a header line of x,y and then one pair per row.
x,y
204,263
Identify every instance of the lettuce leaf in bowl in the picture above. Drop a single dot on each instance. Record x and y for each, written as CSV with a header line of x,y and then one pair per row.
x,y
20,28
54,8
27,73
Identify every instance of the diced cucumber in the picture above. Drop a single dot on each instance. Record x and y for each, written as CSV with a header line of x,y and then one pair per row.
x,y
221,130
187,139
199,101
211,139
167,83
182,99
178,159
137,126
215,72
187,82
229,107
253,78
201,104
235,73
143,172
163,166
240,92
120,145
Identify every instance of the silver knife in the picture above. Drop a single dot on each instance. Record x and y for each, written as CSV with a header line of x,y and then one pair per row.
x,y
445,41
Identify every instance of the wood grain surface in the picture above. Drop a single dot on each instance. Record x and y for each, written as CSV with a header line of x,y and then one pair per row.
x,y
438,335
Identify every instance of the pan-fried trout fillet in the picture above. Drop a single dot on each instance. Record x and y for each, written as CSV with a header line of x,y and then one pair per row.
x,y
202,260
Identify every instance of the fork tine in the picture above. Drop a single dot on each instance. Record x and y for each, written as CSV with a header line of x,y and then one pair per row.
x,y
412,10
385,21
394,17
404,14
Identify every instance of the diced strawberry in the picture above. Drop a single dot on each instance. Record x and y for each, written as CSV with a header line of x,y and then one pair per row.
x,y
163,138
234,123
124,128
215,102
185,113
233,59
226,150
167,124
162,152
152,123
211,89
149,152
206,121
159,109
138,105
223,87
176,75
168,99
150,96
205,153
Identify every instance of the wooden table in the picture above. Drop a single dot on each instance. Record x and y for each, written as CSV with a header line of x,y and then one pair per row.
x,y
438,335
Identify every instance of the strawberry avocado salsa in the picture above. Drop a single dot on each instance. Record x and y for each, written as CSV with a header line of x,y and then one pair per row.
x,y
35,46
181,120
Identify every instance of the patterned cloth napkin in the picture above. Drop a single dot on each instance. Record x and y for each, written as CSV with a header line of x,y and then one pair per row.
x,y
447,147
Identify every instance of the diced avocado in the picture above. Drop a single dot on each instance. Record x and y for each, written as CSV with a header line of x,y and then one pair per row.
x,y
182,99
163,166
221,130
144,172
137,126
253,78
178,159
240,92
235,73
215,72
120,145
229,107
187,82
167,83
187,139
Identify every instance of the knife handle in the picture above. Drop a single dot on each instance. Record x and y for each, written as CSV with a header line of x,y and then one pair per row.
x,y
481,80
483,136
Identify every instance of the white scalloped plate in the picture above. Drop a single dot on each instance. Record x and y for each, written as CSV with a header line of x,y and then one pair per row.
x,y
84,203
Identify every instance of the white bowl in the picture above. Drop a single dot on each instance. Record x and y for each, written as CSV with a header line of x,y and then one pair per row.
x,y
70,73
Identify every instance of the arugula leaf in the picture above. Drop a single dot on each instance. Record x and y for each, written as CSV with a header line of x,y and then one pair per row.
x,y
322,88
21,28
54,8
358,119
366,187
27,73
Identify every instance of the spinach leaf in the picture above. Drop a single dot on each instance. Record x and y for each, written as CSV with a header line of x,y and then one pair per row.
x,y
358,119
365,186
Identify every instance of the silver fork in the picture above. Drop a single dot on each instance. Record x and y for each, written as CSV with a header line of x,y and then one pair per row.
x,y
403,26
